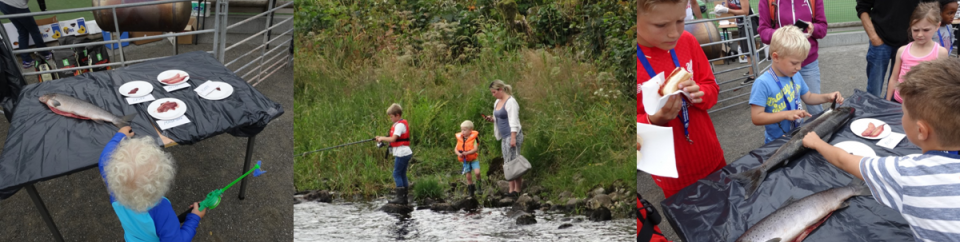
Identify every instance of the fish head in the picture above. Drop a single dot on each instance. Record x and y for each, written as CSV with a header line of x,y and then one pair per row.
x,y
46,97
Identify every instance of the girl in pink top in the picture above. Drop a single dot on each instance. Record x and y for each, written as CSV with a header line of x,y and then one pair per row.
x,y
924,23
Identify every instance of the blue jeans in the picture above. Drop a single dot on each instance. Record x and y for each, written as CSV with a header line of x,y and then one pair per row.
x,y
878,59
811,76
400,165
26,27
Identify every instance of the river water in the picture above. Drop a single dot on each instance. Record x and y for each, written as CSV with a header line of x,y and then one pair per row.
x,y
313,221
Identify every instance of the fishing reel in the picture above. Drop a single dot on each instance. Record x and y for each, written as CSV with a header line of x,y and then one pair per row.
x,y
381,145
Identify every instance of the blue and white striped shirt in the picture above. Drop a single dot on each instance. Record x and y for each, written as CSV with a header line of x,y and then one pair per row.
x,y
925,189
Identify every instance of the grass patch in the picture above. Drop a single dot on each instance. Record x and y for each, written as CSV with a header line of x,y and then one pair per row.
x,y
428,188
359,57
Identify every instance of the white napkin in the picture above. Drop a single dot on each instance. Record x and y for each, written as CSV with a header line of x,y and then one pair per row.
x,y
135,100
891,140
206,88
171,88
652,101
167,124
656,155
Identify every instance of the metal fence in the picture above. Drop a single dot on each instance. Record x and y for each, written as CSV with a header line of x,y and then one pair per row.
x,y
733,90
219,47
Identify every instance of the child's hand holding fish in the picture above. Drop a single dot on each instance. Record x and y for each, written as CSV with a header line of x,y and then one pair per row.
x,y
126,130
793,115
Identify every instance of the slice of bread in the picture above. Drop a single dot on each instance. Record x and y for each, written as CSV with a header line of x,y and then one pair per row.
x,y
672,84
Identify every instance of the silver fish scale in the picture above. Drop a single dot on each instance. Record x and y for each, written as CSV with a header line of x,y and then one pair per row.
x,y
790,221
82,108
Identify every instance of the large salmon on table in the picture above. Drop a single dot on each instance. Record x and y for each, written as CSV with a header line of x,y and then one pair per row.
x,y
75,108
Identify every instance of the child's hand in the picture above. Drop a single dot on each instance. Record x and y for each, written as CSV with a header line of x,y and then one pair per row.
x,y
793,115
691,87
379,138
668,112
811,140
196,210
836,97
127,130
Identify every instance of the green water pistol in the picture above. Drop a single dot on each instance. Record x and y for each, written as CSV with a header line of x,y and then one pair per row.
x,y
213,198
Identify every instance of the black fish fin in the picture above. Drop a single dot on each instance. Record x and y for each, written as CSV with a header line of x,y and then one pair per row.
x,y
98,121
843,205
861,187
125,120
750,179
795,131
774,240
55,103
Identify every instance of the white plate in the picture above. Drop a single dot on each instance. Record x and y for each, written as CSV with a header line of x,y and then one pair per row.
x,y
170,114
170,73
856,148
225,91
144,88
859,125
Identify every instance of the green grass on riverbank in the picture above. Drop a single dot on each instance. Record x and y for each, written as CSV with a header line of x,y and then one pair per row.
x,y
577,126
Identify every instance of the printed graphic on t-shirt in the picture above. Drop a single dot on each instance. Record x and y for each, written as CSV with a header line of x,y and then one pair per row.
x,y
777,102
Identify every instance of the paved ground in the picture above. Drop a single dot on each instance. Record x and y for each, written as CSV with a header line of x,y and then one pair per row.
x,y
79,203
842,69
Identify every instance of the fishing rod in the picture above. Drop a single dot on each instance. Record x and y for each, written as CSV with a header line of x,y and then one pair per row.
x,y
338,146
213,198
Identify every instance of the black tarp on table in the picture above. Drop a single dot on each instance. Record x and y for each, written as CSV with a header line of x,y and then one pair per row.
x,y
42,145
713,209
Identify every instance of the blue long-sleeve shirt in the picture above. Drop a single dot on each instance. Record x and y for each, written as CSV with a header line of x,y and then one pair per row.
x,y
160,223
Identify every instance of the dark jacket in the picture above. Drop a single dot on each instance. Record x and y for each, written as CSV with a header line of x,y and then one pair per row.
x,y
891,19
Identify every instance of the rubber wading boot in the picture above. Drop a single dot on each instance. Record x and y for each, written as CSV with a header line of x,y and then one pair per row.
x,y
401,197
471,189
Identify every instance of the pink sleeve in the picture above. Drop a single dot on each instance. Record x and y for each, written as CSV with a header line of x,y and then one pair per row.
x,y
766,28
820,22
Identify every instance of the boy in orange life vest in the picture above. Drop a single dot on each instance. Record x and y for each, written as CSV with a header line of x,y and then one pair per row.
x,y
466,151
399,139
662,45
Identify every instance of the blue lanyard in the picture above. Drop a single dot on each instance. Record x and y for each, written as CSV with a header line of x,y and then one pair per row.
x,y
949,38
684,116
796,97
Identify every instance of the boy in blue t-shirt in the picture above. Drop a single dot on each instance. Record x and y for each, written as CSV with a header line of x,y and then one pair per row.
x,y
774,100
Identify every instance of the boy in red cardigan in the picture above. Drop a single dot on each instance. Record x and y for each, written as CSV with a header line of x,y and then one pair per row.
x,y
663,45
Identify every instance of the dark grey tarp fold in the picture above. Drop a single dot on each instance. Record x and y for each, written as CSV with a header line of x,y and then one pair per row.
x,y
713,209
42,145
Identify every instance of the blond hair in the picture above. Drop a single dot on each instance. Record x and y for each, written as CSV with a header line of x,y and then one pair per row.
x,y
790,41
929,11
139,173
395,109
650,5
466,124
499,85
929,93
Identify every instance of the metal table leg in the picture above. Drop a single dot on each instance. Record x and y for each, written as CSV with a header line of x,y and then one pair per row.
x,y
246,164
37,202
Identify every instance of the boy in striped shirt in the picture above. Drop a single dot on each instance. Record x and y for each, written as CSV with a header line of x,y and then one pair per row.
x,y
925,189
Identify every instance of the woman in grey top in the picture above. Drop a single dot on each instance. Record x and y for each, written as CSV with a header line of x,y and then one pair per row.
x,y
507,129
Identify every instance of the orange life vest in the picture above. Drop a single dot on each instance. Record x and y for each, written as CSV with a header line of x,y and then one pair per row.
x,y
467,145
404,139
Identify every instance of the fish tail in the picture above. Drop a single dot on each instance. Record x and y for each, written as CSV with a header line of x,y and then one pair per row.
x,y
860,186
125,120
750,179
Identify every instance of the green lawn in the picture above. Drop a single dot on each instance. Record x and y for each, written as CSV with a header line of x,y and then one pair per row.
x,y
62,4
837,11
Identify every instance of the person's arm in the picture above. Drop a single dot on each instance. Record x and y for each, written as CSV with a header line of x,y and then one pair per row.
x,y
703,76
513,114
124,132
760,117
766,27
864,7
819,22
943,53
744,8
168,226
817,99
893,81
836,156
695,7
